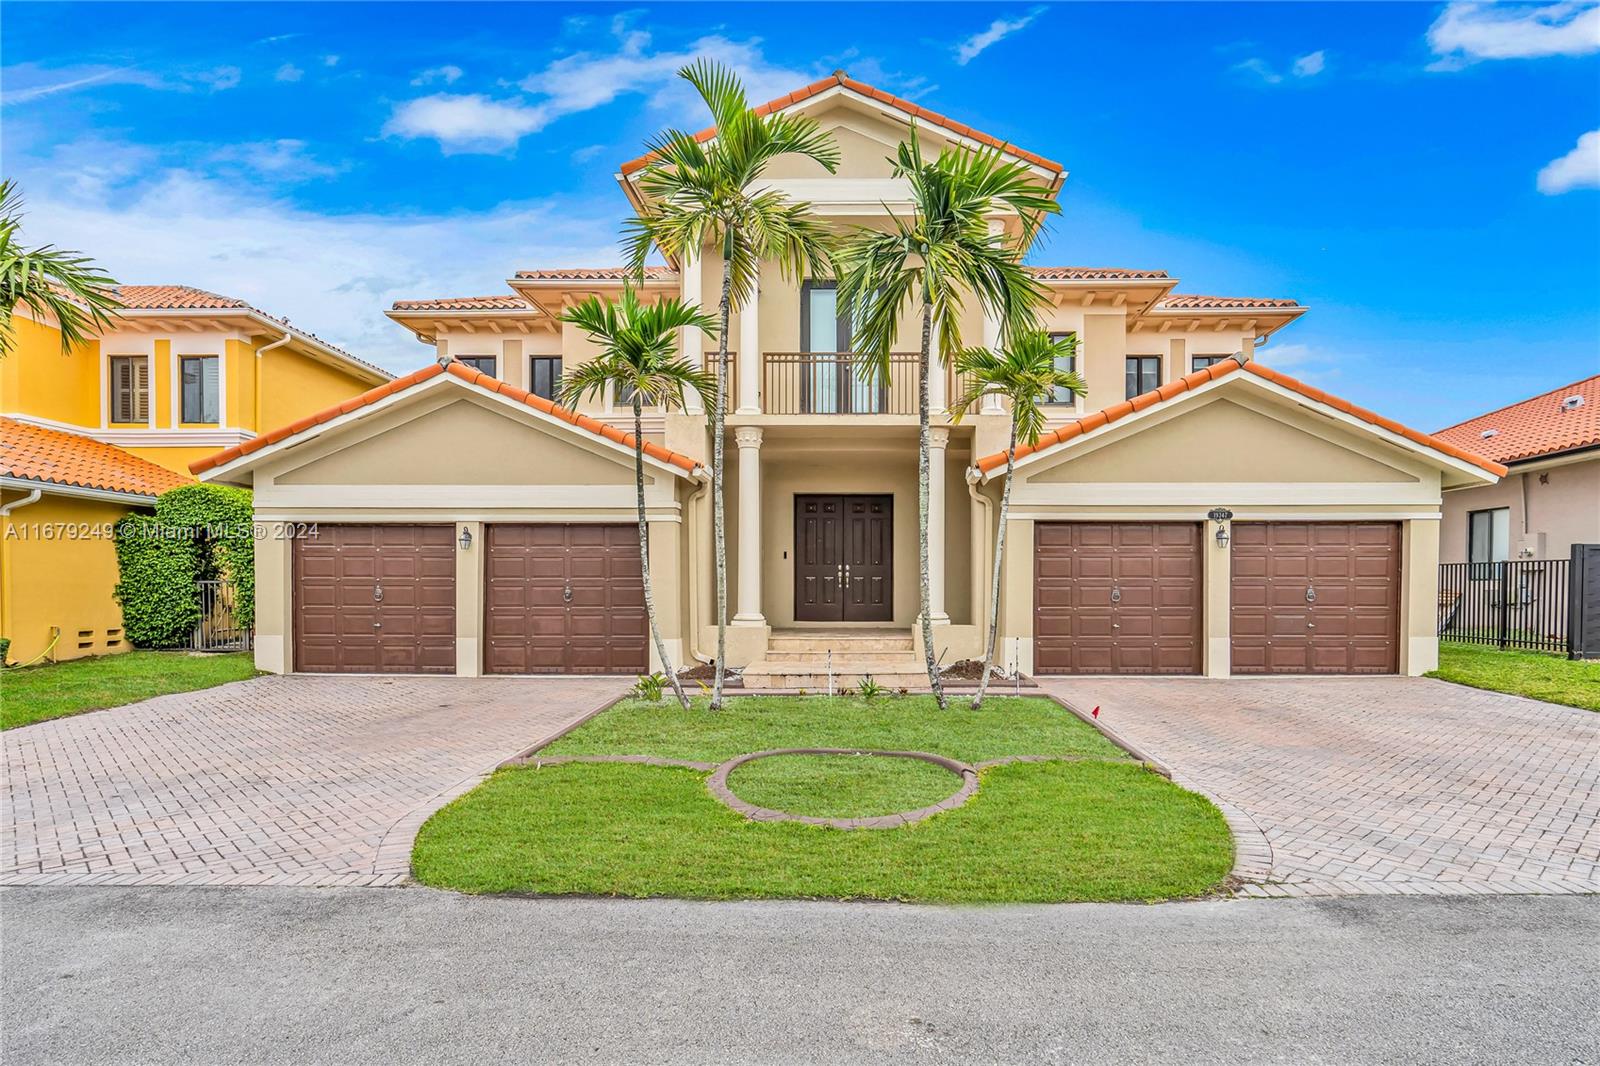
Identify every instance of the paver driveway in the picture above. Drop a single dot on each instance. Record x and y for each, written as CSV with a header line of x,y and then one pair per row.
x,y
278,780
1375,785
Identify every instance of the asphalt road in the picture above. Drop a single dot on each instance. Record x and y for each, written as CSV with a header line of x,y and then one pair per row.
x,y
212,975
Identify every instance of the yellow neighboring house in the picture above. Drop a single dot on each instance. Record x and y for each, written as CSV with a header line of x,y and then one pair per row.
x,y
89,435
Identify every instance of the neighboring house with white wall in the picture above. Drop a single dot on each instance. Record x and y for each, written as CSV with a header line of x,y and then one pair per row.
x,y
1195,512
1550,498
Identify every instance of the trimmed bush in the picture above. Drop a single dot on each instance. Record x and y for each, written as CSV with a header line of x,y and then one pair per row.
x,y
198,533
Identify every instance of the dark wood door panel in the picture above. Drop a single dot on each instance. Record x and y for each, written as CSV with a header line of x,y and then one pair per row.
x,y
1315,597
564,598
375,599
1116,597
843,558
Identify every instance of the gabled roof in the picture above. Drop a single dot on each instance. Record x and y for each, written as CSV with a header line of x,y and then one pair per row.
x,y
52,457
1080,427
839,79
1186,302
165,297
433,370
1070,273
1543,425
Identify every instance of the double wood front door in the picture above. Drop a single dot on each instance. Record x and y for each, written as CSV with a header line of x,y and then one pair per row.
x,y
843,558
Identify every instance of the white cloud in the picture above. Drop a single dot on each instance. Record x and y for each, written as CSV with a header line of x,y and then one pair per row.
x,y
1467,32
586,80
335,275
1302,68
466,122
449,74
1578,169
1311,64
285,160
219,79
998,30
330,61
289,72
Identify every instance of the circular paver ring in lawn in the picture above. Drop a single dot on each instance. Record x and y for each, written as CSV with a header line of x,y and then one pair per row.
x,y
717,783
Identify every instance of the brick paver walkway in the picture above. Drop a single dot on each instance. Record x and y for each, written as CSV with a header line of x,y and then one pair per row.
x,y
1337,786
278,780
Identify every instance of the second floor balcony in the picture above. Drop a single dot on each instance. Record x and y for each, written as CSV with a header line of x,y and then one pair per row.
x,y
837,383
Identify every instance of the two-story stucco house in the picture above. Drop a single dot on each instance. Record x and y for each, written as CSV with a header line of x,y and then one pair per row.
x,y
88,435
1195,513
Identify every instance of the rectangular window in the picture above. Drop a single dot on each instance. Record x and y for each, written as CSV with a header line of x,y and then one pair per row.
x,y
130,388
1144,374
482,363
201,397
544,377
1488,540
1200,362
1069,364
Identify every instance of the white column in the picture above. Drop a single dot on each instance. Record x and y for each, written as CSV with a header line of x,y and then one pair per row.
x,y
991,337
938,403
692,343
938,440
749,602
749,398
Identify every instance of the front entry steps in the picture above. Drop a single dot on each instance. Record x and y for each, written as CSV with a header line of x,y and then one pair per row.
x,y
800,659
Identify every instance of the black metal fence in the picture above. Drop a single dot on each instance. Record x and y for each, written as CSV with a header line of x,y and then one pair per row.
x,y
1518,604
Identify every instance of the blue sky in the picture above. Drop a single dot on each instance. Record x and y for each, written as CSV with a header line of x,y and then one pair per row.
x,y
1423,175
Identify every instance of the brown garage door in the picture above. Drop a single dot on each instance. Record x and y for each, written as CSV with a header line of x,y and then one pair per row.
x,y
375,600
1316,597
564,599
1116,598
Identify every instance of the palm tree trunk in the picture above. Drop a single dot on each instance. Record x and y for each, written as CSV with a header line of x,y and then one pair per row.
x,y
644,551
999,555
922,501
718,530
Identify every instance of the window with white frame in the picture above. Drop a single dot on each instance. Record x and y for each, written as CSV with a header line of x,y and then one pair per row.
x,y
1488,539
1067,363
201,397
130,388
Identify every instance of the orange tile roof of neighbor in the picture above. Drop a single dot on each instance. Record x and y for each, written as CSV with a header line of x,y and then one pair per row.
x,y
1091,422
52,457
1546,424
1059,273
651,273
433,370
1185,302
921,114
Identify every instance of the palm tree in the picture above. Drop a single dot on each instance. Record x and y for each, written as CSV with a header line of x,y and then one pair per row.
x,y
1028,372
49,281
928,259
637,357
702,194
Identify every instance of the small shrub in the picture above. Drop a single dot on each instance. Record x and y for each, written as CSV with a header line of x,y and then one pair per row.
x,y
651,687
868,689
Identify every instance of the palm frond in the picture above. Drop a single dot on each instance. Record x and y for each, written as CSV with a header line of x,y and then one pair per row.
x,y
50,282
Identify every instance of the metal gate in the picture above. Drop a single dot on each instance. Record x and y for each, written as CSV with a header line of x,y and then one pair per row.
x,y
1583,629
217,630
1521,603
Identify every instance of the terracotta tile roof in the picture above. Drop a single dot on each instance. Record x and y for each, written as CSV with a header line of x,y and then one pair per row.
x,y
651,273
919,113
173,297
511,302
53,457
1543,425
1091,422
1096,274
1186,302
433,370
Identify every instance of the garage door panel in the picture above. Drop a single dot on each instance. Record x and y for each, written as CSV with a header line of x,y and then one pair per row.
x,y
582,611
375,599
1116,597
1350,623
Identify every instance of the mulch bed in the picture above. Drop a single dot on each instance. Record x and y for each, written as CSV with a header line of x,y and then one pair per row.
x,y
968,670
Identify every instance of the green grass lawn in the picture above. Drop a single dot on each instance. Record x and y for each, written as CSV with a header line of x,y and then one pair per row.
x,y
1099,828
1552,678
39,693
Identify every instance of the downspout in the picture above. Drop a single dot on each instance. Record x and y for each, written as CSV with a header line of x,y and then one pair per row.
x,y
5,559
692,528
981,563
256,426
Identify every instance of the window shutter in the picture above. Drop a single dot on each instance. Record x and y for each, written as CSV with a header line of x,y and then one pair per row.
x,y
141,389
210,395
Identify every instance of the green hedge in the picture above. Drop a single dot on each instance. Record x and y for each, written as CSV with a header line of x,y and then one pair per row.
x,y
197,533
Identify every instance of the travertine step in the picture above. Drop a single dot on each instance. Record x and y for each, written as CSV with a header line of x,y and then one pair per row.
x,y
840,641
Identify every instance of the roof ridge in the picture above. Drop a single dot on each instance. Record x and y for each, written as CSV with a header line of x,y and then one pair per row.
x,y
1519,403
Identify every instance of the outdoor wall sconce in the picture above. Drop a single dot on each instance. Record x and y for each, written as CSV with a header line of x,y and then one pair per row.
x,y
466,539
1221,516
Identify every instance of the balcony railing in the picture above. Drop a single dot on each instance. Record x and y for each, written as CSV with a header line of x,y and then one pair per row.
x,y
827,383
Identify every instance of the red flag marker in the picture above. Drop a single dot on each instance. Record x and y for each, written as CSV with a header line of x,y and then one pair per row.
x,y
1095,713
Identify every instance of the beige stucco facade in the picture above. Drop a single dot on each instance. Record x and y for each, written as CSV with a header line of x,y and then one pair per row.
x,y
1553,503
